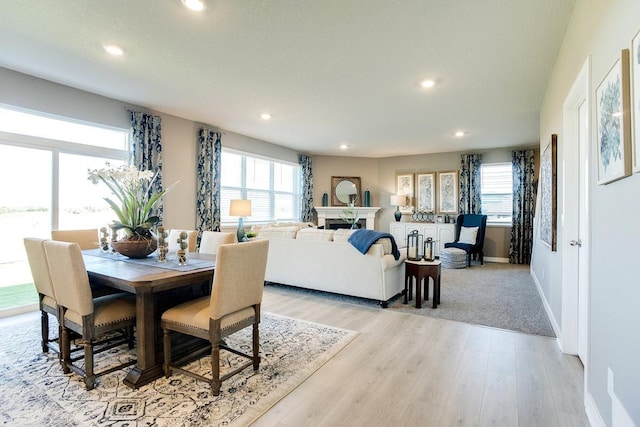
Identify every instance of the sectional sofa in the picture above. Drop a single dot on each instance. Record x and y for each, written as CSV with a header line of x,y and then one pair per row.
x,y
324,260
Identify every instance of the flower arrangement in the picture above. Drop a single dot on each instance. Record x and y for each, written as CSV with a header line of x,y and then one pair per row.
x,y
133,198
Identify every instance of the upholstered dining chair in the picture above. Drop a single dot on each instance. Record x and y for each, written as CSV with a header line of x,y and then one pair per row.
x,y
234,304
192,236
211,240
37,259
78,312
470,230
86,238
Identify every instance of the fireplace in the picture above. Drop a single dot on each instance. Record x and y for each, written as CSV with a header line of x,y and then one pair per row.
x,y
334,224
327,213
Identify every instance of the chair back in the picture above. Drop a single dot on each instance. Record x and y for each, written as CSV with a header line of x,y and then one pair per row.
x,y
238,281
37,258
211,240
174,234
86,238
472,220
69,276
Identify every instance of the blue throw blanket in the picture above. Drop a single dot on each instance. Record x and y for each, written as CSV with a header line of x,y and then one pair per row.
x,y
363,239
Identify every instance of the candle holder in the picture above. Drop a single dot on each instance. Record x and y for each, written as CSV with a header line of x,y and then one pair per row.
x,y
415,246
103,237
183,244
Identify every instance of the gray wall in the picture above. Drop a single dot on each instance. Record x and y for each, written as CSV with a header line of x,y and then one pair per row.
x,y
599,29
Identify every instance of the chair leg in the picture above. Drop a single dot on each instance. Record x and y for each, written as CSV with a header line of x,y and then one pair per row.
x,y
166,344
481,255
215,368
89,377
256,347
44,327
65,350
468,260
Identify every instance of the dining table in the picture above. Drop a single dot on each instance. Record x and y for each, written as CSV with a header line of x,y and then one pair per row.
x,y
157,286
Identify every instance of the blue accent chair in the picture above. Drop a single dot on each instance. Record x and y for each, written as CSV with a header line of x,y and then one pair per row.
x,y
470,220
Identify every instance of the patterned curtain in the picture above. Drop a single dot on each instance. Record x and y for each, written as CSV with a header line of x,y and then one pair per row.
x,y
146,149
306,208
523,207
470,199
208,182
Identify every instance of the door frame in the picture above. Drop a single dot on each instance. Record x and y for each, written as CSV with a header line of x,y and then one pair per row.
x,y
579,94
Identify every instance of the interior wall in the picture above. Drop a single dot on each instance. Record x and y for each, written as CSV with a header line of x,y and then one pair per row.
x,y
599,29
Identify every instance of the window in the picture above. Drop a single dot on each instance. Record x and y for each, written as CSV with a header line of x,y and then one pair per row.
x,y
497,192
43,167
272,186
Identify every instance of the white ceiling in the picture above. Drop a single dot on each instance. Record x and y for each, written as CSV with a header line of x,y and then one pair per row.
x,y
329,72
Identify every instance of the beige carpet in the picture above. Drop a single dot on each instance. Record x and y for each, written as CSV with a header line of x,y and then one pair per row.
x,y
36,392
494,294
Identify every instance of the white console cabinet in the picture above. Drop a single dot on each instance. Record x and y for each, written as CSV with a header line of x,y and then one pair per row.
x,y
441,233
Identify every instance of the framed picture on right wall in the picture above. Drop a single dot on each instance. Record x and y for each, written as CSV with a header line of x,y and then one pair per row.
x,y
635,101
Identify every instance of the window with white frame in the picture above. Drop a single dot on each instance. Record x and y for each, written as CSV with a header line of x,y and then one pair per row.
x,y
497,192
272,186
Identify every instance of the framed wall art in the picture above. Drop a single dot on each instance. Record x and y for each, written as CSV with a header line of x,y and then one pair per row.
x,y
549,192
405,188
612,117
635,101
448,192
426,192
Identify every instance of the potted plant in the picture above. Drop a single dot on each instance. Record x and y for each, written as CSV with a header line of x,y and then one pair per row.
x,y
133,205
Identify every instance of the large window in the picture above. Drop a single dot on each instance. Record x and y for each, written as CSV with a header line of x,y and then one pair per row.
x,y
272,186
497,192
43,168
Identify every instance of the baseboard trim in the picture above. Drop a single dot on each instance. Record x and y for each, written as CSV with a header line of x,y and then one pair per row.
x,y
496,259
547,308
13,311
595,419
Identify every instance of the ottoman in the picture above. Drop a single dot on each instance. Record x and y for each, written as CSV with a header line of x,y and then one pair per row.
x,y
453,258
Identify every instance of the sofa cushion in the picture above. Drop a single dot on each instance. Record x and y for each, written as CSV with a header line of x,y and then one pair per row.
x,y
315,234
279,232
342,235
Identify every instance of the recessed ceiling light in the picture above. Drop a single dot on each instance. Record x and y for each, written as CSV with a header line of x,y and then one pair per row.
x,y
460,133
196,5
114,50
265,116
343,146
425,84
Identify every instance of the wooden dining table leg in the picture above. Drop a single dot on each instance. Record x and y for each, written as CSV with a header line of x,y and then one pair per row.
x,y
147,367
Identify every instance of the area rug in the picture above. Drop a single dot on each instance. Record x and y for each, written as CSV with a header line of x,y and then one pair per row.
x,y
494,294
36,392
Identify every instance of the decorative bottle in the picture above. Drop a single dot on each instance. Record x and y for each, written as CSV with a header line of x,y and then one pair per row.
x,y
325,199
367,198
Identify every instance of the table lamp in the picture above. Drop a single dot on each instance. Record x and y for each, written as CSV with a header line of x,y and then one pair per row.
x,y
240,208
398,200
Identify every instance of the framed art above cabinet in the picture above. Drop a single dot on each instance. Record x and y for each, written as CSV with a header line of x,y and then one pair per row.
x,y
448,192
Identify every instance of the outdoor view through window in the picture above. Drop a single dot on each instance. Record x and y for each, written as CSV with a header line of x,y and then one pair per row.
x,y
43,170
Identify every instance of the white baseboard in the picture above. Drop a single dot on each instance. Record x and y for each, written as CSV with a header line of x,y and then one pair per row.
x,y
496,259
13,311
547,308
595,419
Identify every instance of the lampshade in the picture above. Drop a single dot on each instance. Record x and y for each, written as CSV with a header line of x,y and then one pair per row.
x,y
398,200
240,208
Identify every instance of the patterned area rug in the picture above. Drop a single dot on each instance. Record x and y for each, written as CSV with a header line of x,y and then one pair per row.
x,y
36,392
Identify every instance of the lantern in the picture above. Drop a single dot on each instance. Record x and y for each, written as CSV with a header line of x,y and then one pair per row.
x,y
415,246
428,249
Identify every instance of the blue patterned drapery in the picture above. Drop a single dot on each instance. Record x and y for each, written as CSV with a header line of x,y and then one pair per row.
x,y
306,171
208,181
146,149
523,206
470,181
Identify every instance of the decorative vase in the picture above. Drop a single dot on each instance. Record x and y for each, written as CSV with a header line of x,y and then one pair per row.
x,y
367,199
325,199
135,247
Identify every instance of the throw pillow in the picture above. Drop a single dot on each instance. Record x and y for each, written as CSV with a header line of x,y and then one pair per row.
x,y
468,235
315,234
342,235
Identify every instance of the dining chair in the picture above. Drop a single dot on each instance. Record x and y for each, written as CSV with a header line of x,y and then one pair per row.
x,y
173,240
79,312
86,238
234,304
211,240
37,259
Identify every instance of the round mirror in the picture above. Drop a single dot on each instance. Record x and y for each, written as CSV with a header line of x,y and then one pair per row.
x,y
346,191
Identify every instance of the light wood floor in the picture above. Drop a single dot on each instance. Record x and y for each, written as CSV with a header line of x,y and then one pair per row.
x,y
405,370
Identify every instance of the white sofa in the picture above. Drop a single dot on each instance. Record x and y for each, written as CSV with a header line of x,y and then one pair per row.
x,y
324,260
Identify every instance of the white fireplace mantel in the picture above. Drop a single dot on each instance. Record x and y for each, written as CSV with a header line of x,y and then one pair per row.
x,y
334,212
